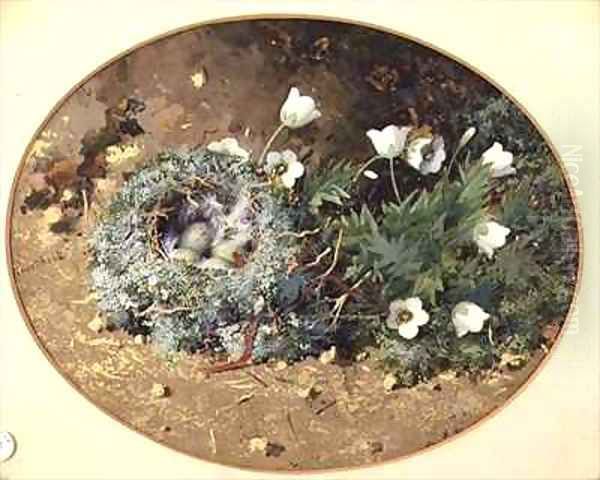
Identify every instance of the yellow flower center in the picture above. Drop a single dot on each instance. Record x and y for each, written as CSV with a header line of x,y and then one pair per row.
x,y
404,316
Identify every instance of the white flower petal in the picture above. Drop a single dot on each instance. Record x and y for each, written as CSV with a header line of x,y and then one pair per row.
x,y
468,317
288,156
466,138
389,142
272,160
288,180
315,114
298,110
295,169
408,330
461,328
228,146
489,236
377,140
414,154
370,174
413,304
392,321
500,161
229,143
397,306
433,161
420,317
293,94
214,147
503,172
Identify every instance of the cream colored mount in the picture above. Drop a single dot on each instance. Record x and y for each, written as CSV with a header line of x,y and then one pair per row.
x,y
7,446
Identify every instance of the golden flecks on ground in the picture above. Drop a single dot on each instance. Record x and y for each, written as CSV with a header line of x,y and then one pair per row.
x,y
258,444
389,382
199,78
39,149
66,195
105,369
116,154
52,214
159,390
97,324
328,356
279,366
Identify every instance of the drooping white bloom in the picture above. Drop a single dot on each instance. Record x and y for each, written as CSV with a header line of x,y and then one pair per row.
x,y
489,236
500,160
298,110
468,317
406,316
286,162
466,138
390,141
229,146
426,154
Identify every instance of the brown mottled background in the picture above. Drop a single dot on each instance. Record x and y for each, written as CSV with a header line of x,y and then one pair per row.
x,y
108,366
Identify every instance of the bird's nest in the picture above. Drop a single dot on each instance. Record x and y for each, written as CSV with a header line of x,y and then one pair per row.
x,y
194,253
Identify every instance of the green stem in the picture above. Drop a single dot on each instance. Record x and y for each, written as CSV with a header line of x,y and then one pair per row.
x,y
453,159
269,143
394,184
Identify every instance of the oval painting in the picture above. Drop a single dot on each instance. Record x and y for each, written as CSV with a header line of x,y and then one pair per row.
x,y
293,244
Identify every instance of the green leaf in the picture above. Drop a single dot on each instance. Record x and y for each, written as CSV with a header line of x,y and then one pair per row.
x,y
329,186
358,228
428,283
517,264
515,209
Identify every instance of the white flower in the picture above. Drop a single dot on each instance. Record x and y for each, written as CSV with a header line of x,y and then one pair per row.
x,y
426,154
390,141
407,315
466,138
288,161
489,236
499,159
434,159
294,171
229,146
468,317
298,110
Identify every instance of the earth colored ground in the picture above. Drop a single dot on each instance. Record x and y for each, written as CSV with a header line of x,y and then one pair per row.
x,y
189,89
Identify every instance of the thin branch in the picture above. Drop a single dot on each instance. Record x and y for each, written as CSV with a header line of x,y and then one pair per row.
x,y
320,257
336,255
303,234
85,207
342,299
154,308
